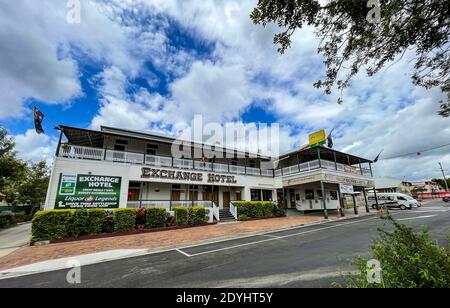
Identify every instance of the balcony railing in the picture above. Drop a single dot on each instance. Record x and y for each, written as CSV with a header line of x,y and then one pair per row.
x,y
324,164
79,152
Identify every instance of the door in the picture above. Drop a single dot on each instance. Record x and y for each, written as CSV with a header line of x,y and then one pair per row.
x,y
292,198
238,196
176,195
226,199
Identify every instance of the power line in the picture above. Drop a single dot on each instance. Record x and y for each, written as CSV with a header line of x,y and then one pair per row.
x,y
421,151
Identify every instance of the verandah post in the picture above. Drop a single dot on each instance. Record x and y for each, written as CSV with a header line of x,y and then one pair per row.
x,y
325,212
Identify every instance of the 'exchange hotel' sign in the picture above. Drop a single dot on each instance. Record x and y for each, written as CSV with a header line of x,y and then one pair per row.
x,y
186,176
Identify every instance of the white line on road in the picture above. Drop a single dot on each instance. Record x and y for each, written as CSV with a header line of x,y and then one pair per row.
x,y
183,253
273,238
417,217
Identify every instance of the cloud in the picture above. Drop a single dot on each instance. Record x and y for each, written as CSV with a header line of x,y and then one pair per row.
x,y
39,49
33,147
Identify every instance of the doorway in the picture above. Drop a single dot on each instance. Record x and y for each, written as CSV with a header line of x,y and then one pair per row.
x,y
226,199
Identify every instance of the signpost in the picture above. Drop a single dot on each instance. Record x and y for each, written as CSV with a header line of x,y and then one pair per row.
x,y
88,191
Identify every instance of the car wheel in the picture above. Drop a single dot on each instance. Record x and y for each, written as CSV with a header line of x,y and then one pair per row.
x,y
419,205
402,207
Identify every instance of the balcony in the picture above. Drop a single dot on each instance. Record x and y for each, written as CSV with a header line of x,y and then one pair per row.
x,y
323,164
80,152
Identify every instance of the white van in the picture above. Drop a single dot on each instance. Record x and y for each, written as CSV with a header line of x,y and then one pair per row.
x,y
397,200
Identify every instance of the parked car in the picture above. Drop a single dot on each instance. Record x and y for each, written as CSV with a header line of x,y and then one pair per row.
x,y
394,200
446,198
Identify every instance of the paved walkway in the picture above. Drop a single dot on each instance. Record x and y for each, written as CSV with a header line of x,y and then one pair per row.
x,y
157,240
13,238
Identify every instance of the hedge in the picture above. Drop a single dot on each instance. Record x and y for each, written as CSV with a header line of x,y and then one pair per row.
x,y
7,219
51,225
257,209
198,215
181,215
97,218
156,217
124,220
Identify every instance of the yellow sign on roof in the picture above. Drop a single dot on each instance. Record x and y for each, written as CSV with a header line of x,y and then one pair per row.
x,y
317,138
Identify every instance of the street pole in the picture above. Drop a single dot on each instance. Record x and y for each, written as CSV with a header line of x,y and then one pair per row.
x,y
443,174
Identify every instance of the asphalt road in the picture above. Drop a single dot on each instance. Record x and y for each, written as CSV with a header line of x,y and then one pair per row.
x,y
304,257
14,238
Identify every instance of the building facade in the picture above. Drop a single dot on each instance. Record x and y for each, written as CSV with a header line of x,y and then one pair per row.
x,y
111,168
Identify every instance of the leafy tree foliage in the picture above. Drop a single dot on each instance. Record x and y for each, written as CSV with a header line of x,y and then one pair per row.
x,y
21,182
350,41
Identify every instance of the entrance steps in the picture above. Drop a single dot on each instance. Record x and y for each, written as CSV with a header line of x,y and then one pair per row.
x,y
225,216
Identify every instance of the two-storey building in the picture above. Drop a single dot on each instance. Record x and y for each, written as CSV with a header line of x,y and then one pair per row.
x,y
111,168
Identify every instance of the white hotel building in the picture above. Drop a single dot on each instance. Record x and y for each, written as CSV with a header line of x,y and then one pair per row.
x,y
150,176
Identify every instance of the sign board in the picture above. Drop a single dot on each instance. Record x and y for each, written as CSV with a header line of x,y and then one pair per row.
x,y
317,138
88,191
346,189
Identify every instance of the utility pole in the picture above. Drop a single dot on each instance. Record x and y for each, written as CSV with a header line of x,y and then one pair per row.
x,y
443,174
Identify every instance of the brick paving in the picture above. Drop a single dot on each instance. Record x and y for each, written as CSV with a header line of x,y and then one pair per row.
x,y
156,240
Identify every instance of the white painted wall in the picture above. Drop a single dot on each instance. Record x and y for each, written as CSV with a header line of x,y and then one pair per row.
x,y
305,205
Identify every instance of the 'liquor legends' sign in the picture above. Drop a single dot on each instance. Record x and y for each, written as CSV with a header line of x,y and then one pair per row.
x,y
186,176
88,191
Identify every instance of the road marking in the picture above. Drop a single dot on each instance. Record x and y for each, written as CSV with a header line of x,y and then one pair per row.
x,y
183,253
417,217
274,238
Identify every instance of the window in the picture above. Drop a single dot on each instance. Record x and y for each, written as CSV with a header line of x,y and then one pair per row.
x,y
252,164
334,195
267,195
309,194
152,149
297,197
401,198
121,141
255,194
319,193
119,147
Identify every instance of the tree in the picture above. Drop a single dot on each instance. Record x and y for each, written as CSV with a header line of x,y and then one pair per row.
x,y
12,170
369,34
21,182
33,188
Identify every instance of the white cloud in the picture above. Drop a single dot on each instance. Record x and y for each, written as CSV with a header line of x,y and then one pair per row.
x,y
33,147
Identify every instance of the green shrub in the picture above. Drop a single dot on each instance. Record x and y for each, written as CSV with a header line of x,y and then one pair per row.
x,y
408,259
124,220
156,217
51,225
197,215
7,219
181,215
279,212
79,223
108,224
255,209
97,219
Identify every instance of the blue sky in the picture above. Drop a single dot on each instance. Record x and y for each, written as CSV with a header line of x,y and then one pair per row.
x,y
154,64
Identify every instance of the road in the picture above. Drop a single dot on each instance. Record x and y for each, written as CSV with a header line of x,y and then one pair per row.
x,y
13,238
312,256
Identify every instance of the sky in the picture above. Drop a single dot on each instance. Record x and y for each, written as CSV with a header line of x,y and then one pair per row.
x,y
155,64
